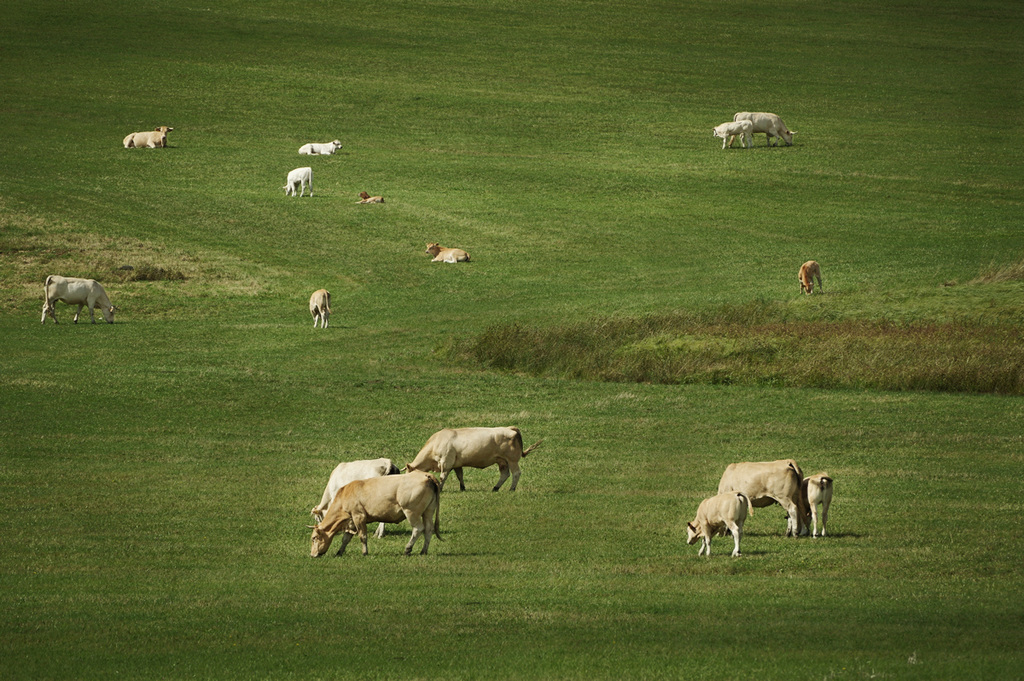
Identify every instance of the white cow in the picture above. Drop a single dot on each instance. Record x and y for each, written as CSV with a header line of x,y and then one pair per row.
x,y
768,123
351,471
817,489
75,291
452,448
152,138
415,497
317,149
732,129
300,177
320,307
766,483
717,514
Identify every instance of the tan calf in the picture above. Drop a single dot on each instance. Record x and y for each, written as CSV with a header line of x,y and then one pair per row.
x,y
817,489
446,254
717,514
808,272
366,198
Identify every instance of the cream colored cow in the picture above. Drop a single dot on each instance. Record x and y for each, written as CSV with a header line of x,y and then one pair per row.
x,y
817,489
74,291
320,307
151,139
766,483
452,448
768,123
717,514
731,130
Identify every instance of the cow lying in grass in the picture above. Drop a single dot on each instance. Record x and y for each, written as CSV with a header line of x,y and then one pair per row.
x,y
446,254
75,291
727,131
319,149
809,271
366,198
716,515
151,139
415,497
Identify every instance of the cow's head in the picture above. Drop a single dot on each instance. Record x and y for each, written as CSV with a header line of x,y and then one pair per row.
x,y
787,137
164,129
692,533
337,144
108,314
433,249
321,541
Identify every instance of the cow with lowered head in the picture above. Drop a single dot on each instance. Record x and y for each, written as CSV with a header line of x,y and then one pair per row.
x,y
453,448
415,497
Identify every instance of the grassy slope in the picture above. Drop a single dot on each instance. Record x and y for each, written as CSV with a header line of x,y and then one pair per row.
x,y
565,145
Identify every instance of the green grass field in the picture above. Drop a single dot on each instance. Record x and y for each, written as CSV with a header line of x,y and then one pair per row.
x,y
156,474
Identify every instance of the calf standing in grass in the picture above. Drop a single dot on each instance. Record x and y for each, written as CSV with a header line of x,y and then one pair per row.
x,y
732,129
75,291
716,515
809,271
320,307
300,177
817,489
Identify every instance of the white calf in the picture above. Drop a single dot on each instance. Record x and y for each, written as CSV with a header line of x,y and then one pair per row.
x,y
320,307
732,129
299,178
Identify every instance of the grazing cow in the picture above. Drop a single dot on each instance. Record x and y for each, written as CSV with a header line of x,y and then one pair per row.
x,y
300,177
75,291
817,489
452,448
717,514
317,149
351,471
151,139
446,254
766,483
415,497
768,123
809,271
366,198
320,307
729,131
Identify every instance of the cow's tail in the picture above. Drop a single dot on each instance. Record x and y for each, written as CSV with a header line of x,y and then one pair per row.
x,y
532,447
437,507
394,470
750,506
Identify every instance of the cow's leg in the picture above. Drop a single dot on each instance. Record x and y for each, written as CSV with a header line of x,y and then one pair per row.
x,y
363,538
502,477
380,531
814,519
516,472
705,546
344,542
737,531
428,528
824,517
462,482
78,312
417,529
793,517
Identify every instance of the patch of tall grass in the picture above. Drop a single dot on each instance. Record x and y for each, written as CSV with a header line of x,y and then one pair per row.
x,y
762,344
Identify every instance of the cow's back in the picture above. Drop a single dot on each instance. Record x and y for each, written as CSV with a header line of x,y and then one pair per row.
x,y
758,479
477,447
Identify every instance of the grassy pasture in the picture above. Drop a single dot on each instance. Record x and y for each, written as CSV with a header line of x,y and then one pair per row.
x,y
156,474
